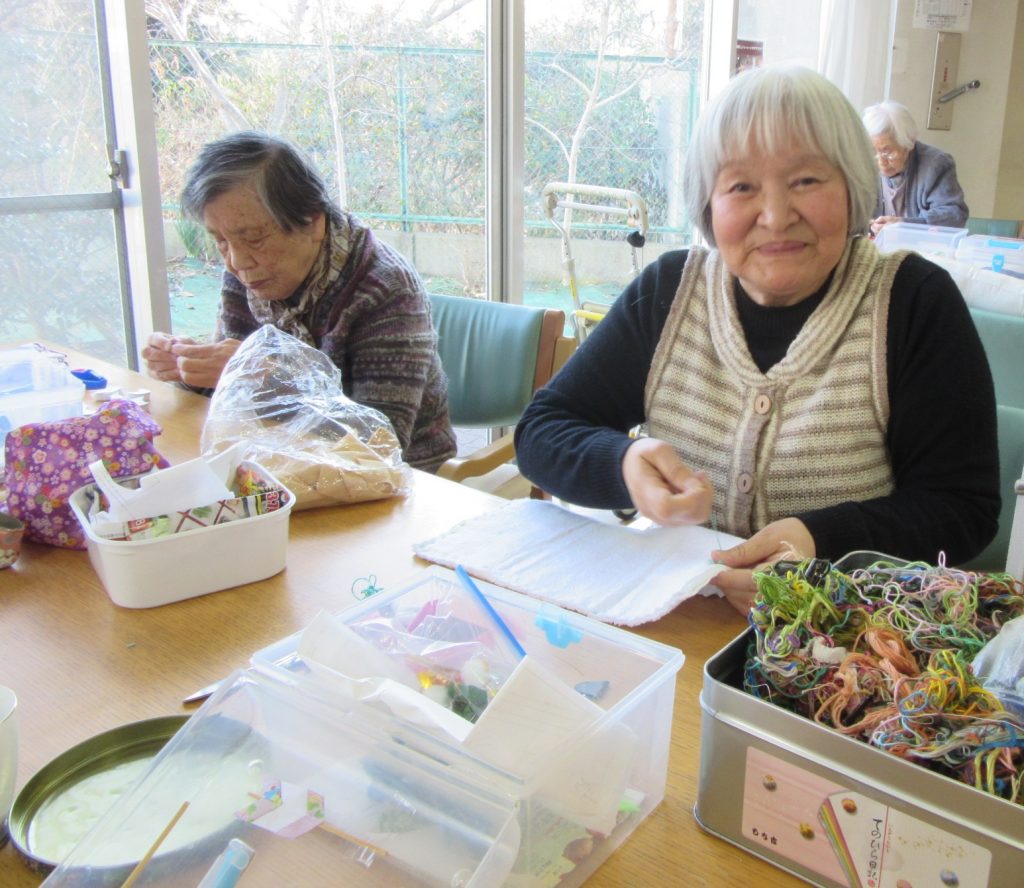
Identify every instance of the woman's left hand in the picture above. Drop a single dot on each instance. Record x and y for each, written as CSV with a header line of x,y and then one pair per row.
x,y
200,365
786,538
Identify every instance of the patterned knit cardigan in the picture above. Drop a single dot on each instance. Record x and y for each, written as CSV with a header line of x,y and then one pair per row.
x,y
809,433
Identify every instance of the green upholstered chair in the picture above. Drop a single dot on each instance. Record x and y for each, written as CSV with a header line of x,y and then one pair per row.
x,y
994,227
496,355
1003,338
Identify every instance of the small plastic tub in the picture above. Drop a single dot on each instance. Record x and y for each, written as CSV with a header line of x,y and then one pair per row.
x,y
1002,254
150,572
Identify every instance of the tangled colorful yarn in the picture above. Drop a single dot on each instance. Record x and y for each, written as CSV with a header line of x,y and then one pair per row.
x,y
883,653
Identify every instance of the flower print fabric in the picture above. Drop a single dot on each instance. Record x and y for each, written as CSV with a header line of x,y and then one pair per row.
x,y
48,461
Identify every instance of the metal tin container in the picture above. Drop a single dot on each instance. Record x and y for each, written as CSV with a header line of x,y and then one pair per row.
x,y
835,811
48,803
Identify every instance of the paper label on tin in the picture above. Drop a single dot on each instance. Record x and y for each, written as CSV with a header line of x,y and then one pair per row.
x,y
848,837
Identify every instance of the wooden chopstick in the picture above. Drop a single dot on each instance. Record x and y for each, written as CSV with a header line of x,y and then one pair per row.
x,y
135,873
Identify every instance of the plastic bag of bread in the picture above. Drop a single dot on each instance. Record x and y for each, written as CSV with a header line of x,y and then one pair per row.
x,y
283,401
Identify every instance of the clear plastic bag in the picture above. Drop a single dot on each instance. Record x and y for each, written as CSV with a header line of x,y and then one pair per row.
x,y
1000,665
452,644
283,401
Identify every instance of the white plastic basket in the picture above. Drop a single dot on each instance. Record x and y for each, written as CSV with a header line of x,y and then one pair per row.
x,y
148,573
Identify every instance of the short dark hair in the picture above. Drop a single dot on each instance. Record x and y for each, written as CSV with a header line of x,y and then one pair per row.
x,y
289,186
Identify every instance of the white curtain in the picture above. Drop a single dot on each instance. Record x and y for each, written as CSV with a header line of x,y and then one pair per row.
x,y
855,48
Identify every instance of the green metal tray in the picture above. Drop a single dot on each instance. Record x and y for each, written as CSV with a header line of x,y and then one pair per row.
x,y
47,817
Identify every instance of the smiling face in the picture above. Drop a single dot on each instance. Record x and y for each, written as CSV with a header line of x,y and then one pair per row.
x,y
270,261
780,222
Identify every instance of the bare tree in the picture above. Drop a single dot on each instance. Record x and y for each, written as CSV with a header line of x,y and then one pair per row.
x,y
593,95
176,22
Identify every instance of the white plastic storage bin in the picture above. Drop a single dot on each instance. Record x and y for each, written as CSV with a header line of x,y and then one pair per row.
x,y
151,572
1002,254
935,240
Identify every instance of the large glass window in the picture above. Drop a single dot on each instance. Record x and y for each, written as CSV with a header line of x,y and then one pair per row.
x,y
395,102
390,102
59,260
387,99
612,92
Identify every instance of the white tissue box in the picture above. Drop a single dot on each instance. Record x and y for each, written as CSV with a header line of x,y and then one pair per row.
x,y
150,572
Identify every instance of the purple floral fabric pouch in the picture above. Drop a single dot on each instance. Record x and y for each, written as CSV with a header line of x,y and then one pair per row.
x,y
48,461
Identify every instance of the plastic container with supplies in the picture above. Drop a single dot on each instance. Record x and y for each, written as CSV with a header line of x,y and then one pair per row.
x,y
1002,254
35,386
576,798
141,572
333,788
937,240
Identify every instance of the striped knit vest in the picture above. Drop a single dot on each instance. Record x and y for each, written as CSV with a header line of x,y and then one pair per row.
x,y
809,433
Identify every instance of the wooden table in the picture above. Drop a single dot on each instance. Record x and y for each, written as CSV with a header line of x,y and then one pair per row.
x,y
81,665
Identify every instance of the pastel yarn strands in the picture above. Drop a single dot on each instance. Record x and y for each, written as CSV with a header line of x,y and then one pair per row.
x,y
882,653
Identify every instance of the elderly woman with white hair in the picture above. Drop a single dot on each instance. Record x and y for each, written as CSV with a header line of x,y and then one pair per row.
x,y
917,182
796,386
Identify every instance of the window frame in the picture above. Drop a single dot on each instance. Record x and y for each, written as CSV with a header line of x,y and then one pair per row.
x,y
146,280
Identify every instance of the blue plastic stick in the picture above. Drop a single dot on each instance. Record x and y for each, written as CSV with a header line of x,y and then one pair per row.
x,y
467,581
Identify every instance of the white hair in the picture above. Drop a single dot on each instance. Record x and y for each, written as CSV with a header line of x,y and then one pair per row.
x,y
763,110
891,119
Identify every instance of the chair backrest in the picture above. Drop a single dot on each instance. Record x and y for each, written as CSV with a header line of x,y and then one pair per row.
x,y
1003,338
496,355
994,227
1011,465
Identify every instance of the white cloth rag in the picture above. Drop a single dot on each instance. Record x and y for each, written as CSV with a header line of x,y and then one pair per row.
x,y
614,573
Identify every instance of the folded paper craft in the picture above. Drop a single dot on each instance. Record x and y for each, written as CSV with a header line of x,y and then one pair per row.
x,y
200,493
174,489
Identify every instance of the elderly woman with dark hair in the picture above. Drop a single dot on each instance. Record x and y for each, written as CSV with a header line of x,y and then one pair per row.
x,y
803,390
294,260
917,182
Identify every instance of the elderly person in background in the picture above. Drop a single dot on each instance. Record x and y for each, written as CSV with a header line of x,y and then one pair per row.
x,y
294,260
809,393
917,182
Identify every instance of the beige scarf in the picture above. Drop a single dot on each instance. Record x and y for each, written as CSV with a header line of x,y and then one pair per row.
x,y
294,315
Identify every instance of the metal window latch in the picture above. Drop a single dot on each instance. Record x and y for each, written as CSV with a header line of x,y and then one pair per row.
x,y
959,91
117,167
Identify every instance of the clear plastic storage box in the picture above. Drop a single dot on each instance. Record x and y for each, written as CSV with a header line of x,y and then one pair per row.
x,y
1002,254
935,240
332,788
34,387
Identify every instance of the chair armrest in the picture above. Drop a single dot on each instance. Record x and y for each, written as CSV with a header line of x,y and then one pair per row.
x,y
1015,550
479,462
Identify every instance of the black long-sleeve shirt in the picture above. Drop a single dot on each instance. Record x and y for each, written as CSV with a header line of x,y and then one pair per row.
x,y
941,436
